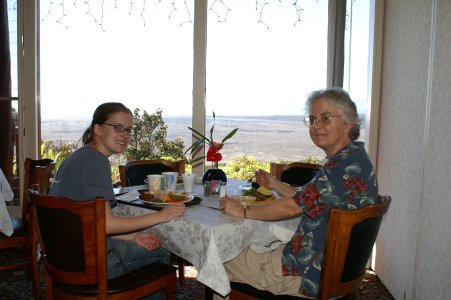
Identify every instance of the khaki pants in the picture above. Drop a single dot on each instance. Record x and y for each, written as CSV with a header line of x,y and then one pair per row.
x,y
263,271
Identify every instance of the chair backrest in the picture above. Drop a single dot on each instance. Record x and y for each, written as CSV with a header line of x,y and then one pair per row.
x,y
351,235
37,174
136,171
72,236
296,173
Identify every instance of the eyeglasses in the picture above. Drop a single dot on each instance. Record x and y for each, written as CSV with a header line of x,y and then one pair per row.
x,y
310,121
119,128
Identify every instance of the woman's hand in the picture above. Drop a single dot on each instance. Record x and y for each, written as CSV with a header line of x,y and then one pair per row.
x,y
172,211
270,182
265,179
231,207
146,240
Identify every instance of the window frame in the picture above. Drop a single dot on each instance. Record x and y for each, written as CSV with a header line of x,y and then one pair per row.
x,y
28,69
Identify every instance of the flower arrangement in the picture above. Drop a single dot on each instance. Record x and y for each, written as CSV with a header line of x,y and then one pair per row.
x,y
214,147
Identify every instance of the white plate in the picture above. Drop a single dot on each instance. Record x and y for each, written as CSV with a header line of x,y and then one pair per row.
x,y
245,187
158,203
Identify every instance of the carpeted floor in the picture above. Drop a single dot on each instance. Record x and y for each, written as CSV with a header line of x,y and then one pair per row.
x,y
14,285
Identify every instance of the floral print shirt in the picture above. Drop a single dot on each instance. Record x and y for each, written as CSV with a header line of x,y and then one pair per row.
x,y
347,181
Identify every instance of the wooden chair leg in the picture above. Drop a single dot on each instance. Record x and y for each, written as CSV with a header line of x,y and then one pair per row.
x,y
33,258
35,280
171,293
181,266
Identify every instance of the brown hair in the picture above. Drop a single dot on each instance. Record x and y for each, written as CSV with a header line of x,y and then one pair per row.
x,y
101,114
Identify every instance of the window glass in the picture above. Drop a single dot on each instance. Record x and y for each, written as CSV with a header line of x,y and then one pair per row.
x,y
92,52
9,103
12,23
355,79
263,58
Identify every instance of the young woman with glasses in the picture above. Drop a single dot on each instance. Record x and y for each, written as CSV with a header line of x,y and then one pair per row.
x,y
86,174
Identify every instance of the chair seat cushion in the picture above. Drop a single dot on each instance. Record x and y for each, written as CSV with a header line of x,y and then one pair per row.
x,y
134,279
19,228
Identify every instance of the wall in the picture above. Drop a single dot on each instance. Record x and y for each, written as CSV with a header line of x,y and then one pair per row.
x,y
414,153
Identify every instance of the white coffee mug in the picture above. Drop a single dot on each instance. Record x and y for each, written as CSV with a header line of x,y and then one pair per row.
x,y
156,182
170,180
188,182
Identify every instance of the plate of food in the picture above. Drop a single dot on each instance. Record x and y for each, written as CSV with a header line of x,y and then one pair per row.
x,y
258,195
164,199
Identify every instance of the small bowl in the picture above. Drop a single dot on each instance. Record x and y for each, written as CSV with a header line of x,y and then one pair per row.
x,y
146,195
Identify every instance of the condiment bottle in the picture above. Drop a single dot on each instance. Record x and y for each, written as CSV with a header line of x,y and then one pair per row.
x,y
207,188
222,189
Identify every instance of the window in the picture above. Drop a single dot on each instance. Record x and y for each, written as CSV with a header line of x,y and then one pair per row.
x,y
356,55
9,101
261,64
94,52
263,58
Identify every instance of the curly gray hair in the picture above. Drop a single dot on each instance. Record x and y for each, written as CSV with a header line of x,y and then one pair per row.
x,y
341,99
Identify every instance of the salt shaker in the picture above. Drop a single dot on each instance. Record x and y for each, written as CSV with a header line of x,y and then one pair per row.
x,y
207,188
222,189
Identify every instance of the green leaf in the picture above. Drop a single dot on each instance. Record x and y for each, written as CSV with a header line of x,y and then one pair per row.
x,y
202,137
211,133
232,133
197,159
194,146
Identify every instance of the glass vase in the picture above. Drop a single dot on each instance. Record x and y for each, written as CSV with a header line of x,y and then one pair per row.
x,y
215,176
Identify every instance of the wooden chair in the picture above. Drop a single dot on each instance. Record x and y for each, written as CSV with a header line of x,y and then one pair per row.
x,y
72,236
136,171
296,173
350,238
24,239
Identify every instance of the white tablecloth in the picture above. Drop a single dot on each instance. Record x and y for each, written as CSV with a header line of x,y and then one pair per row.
x,y
207,238
6,194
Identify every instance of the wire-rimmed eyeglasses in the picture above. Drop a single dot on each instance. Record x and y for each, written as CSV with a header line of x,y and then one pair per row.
x,y
310,121
119,128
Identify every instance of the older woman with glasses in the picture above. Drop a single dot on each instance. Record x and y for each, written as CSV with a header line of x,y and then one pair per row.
x,y
347,181
86,174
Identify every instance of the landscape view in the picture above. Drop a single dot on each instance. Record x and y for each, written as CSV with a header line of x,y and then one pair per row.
x,y
266,138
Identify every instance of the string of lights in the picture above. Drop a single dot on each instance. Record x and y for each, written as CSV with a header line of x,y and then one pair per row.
x,y
216,11
220,8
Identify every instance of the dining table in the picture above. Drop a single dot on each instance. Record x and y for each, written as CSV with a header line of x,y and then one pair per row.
x,y
204,235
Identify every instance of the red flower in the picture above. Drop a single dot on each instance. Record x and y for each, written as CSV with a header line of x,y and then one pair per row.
x,y
332,163
361,185
213,152
296,243
355,186
213,147
310,195
317,209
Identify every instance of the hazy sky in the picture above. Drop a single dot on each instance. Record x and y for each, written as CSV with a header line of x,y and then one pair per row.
x,y
142,56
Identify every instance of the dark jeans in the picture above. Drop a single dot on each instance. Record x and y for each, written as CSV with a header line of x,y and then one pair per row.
x,y
125,256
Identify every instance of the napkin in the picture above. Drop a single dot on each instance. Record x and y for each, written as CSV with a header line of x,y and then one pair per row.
x,y
6,194
281,233
129,196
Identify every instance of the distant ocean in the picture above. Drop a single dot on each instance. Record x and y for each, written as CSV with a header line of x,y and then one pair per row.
x,y
266,138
